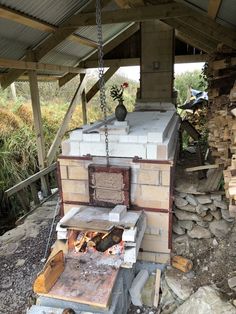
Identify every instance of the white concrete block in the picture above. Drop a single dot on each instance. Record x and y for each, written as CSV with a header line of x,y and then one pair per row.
x,y
62,235
155,137
76,135
128,139
117,213
142,139
74,148
151,151
121,123
91,137
129,235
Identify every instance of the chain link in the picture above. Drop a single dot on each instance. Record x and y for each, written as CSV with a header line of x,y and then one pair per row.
x,y
103,104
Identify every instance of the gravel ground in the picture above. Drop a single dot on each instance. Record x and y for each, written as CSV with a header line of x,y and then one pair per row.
x,y
20,261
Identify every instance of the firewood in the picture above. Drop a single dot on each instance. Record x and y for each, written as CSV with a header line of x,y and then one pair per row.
x,y
182,263
95,240
110,239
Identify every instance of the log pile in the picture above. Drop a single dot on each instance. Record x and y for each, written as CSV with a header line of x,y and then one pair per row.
x,y
221,74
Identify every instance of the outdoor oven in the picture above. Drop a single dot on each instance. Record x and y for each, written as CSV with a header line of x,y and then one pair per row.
x,y
139,175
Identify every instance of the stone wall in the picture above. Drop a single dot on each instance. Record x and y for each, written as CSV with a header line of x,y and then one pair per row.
x,y
201,216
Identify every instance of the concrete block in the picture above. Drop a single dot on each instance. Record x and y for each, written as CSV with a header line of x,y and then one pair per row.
x,y
74,148
142,139
137,286
65,147
129,235
128,139
162,258
151,151
117,213
121,123
76,135
91,137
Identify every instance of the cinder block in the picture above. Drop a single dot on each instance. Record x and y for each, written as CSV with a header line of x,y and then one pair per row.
x,y
63,172
74,186
117,213
77,173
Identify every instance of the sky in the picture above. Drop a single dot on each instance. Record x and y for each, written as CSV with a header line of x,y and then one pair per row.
x,y
133,72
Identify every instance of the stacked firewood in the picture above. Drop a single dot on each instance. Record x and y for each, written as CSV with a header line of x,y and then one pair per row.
x,y
221,74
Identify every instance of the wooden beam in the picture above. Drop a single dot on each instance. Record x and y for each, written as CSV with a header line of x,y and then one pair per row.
x,y
34,91
24,19
62,129
29,65
192,33
213,8
93,90
160,11
193,42
23,184
208,27
111,62
84,107
191,58
136,61
47,45
122,36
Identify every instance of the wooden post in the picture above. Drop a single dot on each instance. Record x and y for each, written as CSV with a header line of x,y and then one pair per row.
x,y
61,132
84,107
34,91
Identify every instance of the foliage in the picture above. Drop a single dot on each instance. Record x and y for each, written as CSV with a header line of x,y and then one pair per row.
x,y
185,80
116,92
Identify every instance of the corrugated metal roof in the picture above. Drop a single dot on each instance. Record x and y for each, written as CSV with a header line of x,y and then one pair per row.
x,y
15,38
51,11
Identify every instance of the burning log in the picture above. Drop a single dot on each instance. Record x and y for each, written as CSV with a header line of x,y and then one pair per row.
x,y
112,238
95,240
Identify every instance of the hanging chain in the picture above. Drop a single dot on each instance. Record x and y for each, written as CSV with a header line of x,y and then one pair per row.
x,y
103,104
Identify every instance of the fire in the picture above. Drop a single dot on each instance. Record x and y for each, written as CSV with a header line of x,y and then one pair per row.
x,y
85,241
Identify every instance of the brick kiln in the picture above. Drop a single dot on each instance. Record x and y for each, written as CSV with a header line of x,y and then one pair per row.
x,y
139,175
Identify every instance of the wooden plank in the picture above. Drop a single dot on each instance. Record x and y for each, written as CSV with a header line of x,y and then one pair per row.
x,y
85,281
157,288
204,167
95,88
84,107
34,91
62,129
160,11
19,186
50,273
29,65
213,8
211,184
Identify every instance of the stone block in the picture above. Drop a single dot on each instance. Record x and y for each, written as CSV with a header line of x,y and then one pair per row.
x,y
199,232
203,199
